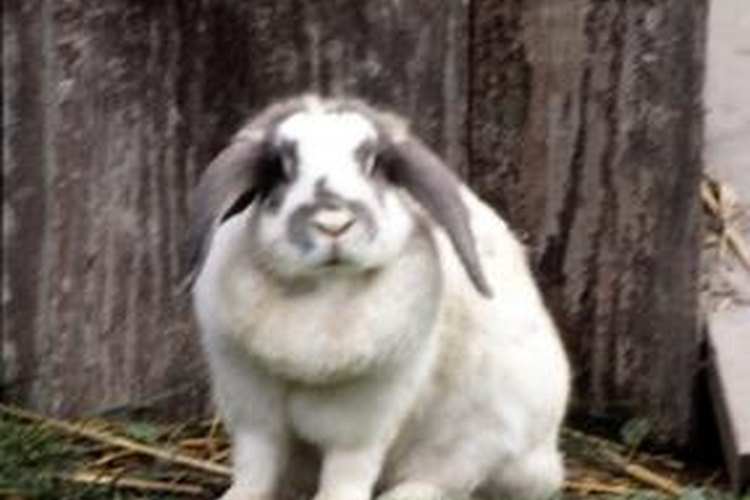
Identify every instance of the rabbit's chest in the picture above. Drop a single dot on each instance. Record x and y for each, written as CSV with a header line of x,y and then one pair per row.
x,y
332,336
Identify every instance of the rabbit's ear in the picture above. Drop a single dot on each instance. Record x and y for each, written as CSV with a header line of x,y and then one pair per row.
x,y
226,187
228,184
432,183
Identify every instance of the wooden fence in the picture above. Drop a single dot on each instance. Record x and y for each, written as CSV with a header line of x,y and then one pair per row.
x,y
579,119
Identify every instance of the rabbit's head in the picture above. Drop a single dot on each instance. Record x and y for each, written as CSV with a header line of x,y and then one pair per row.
x,y
329,180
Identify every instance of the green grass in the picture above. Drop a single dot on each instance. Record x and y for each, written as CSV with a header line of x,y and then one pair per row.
x,y
35,461
31,460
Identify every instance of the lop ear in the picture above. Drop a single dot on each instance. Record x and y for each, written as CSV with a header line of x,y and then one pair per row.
x,y
227,183
432,183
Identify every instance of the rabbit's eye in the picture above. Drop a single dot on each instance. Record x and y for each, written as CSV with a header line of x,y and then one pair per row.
x,y
286,154
279,166
375,161
379,168
273,174
382,167
367,157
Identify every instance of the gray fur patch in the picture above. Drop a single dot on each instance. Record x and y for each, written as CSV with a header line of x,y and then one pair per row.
x,y
299,230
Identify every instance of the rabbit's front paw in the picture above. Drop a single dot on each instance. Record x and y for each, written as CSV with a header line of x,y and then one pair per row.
x,y
416,491
343,493
237,492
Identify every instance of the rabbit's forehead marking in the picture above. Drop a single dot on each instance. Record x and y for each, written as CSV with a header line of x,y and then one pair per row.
x,y
326,141
298,232
328,147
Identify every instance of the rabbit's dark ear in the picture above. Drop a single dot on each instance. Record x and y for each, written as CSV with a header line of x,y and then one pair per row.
x,y
432,183
412,165
227,181
228,184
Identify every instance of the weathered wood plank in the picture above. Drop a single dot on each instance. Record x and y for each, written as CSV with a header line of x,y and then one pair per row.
x,y
111,111
729,346
23,182
409,56
93,126
586,119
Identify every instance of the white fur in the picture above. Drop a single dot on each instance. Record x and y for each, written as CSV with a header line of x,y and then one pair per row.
x,y
326,145
397,369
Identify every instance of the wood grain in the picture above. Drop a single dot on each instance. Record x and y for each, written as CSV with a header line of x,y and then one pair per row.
x,y
586,128
580,120
112,110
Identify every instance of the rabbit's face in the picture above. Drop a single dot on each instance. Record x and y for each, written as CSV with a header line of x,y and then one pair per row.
x,y
333,186
324,203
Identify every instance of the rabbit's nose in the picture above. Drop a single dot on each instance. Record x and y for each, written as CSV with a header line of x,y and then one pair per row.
x,y
333,222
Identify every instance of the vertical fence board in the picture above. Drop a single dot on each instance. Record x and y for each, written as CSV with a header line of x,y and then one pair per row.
x,y
586,120
100,320
23,179
409,56
111,109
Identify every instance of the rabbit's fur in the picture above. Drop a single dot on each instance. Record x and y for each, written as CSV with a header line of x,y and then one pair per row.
x,y
340,308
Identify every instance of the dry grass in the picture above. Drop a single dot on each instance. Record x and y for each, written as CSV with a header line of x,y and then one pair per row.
x,y
95,459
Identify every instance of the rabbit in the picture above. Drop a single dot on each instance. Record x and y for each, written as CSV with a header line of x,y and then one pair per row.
x,y
353,294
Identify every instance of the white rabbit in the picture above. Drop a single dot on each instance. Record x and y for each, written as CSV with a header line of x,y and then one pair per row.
x,y
354,294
